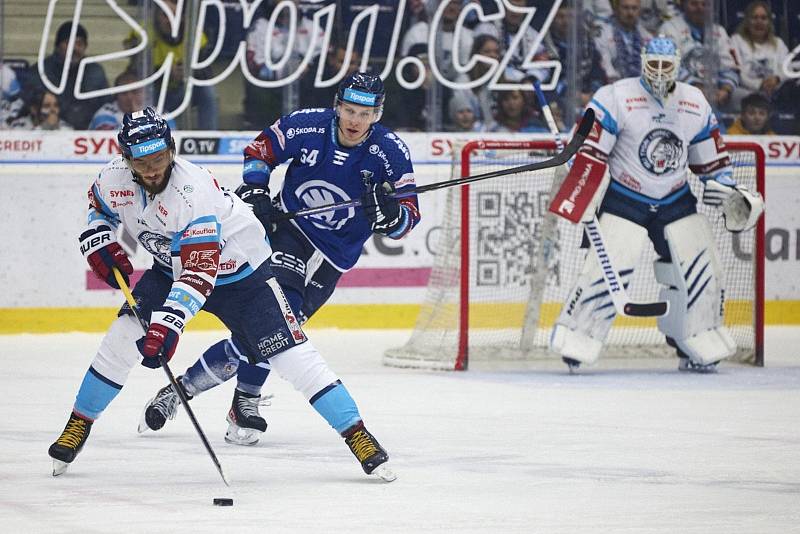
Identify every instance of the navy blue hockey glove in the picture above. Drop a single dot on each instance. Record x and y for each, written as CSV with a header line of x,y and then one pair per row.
x,y
382,210
100,248
258,197
166,326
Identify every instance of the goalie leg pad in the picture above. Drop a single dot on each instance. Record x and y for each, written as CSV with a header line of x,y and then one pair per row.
x,y
694,287
586,317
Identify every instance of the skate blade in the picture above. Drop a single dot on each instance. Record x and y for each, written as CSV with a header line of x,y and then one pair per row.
x,y
687,366
237,435
384,473
142,421
59,467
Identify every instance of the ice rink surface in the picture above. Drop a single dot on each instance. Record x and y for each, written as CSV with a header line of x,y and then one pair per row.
x,y
632,447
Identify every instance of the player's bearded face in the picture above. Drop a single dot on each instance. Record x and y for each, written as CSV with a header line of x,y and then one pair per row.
x,y
354,122
152,171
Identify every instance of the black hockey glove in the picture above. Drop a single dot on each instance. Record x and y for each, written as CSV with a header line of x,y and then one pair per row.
x,y
381,209
258,197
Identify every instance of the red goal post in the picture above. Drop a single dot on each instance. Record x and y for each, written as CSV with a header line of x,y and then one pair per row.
x,y
495,289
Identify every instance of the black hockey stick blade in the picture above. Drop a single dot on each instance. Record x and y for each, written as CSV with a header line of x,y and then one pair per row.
x,y
585,126
170,376
651,309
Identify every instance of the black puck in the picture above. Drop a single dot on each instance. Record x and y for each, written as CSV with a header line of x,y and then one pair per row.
x,y
223,502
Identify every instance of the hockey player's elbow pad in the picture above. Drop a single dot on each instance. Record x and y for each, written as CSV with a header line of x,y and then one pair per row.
x,y
255,172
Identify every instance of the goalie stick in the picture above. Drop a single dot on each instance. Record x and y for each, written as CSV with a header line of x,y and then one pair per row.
x,y
561,158
616,290
164,365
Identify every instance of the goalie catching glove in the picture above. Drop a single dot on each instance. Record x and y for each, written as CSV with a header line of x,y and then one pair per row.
x,y
382,209
166,326
740,208
100,248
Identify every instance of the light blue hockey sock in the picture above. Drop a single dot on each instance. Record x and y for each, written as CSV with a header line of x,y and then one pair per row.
x,y
335,404
95,394
216,366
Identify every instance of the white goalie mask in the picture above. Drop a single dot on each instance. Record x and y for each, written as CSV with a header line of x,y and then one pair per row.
x,y
661,62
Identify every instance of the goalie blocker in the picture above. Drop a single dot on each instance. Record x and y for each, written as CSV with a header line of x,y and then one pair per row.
x,y
581,191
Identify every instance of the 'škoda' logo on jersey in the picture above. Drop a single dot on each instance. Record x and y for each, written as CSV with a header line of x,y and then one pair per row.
x,y
661,151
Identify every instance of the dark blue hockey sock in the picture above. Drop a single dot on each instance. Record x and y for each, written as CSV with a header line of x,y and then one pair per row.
x,y
217,365
251,378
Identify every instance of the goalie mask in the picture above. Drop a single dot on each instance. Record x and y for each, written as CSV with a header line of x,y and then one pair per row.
x,y
661,62
146,143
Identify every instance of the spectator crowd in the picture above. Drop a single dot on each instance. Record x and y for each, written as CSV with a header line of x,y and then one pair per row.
x,y
735,54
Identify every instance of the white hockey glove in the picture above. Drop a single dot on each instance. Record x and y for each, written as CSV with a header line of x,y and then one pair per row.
x,y
742,209
717,188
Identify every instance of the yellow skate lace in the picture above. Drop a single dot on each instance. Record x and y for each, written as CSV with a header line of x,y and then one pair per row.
x,y
362,445
73,433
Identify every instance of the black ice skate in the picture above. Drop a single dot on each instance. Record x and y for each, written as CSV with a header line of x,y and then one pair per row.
x,y
245,424
572,364
69,443
368,451
161,408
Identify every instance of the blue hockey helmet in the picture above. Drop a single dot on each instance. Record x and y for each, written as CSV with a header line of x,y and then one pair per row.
x,y
143,133
661,62
363,89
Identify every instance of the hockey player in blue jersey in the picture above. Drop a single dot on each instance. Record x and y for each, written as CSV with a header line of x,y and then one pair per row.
x,y
650,131
337,154
209,252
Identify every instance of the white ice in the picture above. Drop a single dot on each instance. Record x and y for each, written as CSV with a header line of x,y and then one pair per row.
x,y
631,447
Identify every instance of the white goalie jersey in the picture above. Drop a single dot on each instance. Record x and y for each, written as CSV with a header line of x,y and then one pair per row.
x,y
649,145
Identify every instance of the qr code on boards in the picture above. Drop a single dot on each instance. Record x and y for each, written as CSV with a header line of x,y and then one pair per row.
x,y
507,229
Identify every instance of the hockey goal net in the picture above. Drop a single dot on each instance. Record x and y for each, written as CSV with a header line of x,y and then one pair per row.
x,y
503,267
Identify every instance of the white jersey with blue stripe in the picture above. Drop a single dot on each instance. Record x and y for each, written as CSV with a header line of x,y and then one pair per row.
x,y
650,144
198,234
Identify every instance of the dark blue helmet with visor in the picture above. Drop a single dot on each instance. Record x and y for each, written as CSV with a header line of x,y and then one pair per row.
x,y
363,89
143,133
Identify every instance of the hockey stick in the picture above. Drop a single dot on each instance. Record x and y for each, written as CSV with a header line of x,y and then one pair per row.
x,y
616,290
164,365
559,159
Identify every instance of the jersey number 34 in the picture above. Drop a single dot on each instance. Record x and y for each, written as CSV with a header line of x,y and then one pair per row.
x,y
308,158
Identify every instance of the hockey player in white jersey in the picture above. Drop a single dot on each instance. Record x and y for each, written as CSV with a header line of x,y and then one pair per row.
x,y
209,251
649,131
